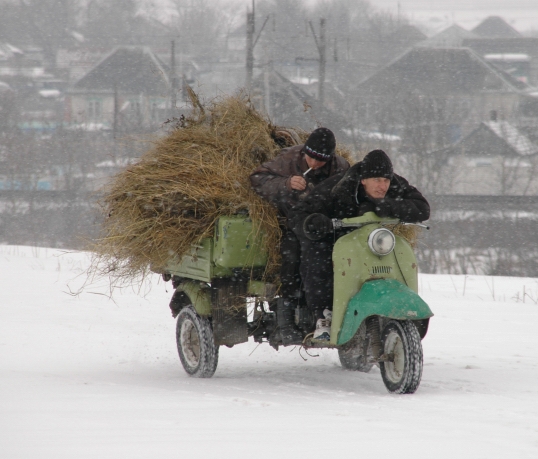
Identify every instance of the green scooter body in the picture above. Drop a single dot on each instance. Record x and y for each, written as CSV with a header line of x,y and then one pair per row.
x,y
366,284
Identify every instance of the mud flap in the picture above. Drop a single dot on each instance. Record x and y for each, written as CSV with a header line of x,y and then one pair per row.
x,y
229,312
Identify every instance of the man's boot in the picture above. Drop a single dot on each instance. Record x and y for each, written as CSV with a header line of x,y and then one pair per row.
x,y
285,312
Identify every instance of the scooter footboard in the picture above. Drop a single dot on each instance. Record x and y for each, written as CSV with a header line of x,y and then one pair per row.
x,y
382,297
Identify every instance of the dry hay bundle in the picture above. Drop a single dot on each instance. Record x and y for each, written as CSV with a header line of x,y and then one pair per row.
x,y
171,198
409,232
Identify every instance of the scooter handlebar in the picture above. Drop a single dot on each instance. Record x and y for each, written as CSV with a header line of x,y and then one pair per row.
x,y
337,223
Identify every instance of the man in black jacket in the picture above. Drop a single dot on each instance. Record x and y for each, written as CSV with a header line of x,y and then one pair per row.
x,y
368,186
291,176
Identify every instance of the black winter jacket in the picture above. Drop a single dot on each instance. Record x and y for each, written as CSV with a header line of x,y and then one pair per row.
x,y
342,196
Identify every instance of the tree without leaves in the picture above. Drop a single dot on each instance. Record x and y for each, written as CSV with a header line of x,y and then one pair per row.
x,y
50,24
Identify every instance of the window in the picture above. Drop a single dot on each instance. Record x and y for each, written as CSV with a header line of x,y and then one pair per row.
x,y
481,162
135,107
94,110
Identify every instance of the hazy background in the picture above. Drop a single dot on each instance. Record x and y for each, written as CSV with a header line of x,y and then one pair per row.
x,y
448,89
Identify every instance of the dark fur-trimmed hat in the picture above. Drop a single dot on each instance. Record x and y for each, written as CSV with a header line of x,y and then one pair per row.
x,y
376,164
320,144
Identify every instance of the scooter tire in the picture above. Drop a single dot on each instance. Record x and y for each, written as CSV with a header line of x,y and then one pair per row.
x,y
195,344
401,344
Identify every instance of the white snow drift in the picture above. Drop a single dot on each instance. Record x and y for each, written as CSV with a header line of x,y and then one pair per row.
x,y
89,377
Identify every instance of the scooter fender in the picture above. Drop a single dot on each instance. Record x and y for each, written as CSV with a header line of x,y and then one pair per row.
x,y
382,297
192,292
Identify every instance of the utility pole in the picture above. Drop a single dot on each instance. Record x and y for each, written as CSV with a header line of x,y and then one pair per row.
x,y
173,78
267,89
250,46
115,119
251,43
320,44
115,123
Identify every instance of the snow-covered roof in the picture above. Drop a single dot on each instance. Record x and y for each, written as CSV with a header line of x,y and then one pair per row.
x,y
50,93
508,57
28,72
303,80
440,71
372,135
133,69
495,27
7,51
452,36
119,162
513,137
78,36
89,127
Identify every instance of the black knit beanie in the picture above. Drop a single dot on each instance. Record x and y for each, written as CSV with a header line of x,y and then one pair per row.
x,y
320,144
376,164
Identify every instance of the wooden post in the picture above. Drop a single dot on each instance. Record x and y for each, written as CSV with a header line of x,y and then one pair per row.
x,y
322,61
173,78
321,45
250,48
115,123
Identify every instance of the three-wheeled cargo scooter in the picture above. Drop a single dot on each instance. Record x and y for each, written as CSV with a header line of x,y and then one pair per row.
x,y
377,319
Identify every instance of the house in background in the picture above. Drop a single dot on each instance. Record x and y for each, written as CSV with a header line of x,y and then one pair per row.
x,y
495,27
451,37
499,43
459,88
128,89
494,159
403,38
36,93
288,104
431,98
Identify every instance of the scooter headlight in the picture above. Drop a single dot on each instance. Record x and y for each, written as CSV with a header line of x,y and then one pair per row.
x,y
381,241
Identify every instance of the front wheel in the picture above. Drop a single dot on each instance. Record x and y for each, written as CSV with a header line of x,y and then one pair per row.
x,y
401,364
195,345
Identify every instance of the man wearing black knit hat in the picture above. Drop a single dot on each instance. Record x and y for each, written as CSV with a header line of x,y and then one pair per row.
x,y
368,186
284,181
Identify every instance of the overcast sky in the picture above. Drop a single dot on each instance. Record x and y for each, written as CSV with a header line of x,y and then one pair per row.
x,y
436,14
521,14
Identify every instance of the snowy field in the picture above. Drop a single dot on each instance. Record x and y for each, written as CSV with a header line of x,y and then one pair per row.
x,y
89,377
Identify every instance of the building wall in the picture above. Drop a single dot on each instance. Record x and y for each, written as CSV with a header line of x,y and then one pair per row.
x,y
524,45
88,108
133,109
493,175
504,104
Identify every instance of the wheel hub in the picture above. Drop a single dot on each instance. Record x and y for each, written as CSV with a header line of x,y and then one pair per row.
x,y
394,358
190,342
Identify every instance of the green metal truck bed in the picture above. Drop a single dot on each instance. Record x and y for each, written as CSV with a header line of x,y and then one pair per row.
x,y
237,244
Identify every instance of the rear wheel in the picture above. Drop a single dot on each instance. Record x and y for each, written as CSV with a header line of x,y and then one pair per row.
x,y
195,345
354,355
401,364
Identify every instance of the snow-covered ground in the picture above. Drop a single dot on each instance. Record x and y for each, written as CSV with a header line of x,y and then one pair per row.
x,y
89,377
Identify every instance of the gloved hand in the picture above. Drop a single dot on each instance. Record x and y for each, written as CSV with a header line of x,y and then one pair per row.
x,y
382,207
317,226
